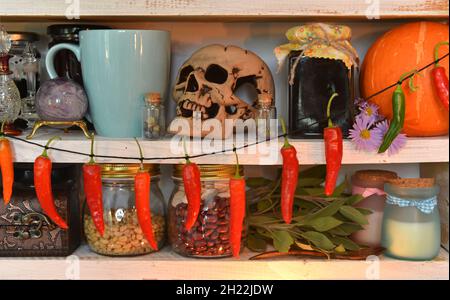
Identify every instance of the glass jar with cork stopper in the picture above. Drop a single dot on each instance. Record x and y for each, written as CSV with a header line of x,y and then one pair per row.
x,y
265,112
154,119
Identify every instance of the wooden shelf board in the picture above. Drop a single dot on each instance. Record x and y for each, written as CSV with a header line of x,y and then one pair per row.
x,y
235,9
310,152
84,264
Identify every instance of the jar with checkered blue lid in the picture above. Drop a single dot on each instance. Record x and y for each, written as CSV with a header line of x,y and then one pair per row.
x,y
411,227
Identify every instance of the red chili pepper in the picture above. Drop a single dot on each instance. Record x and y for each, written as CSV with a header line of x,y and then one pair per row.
x,y
332,136
289,177
237,209
440,79
6,166
142,195
43,186
193,190
92,178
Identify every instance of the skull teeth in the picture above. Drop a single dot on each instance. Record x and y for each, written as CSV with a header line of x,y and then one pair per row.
x,y
188,107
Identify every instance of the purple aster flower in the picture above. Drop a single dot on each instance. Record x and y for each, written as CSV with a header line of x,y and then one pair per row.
x,y
398,143
360,102
370,112
365,138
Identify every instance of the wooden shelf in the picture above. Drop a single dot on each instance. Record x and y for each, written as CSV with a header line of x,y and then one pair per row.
x,y
166,265
213,9
310,152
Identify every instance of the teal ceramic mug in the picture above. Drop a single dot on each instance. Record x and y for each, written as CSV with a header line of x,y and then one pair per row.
x,y
119,67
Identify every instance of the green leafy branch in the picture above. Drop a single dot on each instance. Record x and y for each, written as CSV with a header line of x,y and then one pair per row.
x,y
319,223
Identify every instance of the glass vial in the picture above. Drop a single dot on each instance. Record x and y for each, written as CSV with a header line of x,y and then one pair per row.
x,y
265,112
154,120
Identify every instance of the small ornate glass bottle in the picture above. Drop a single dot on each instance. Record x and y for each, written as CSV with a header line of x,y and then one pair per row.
x,y
31,68
9,94
154,119
265,112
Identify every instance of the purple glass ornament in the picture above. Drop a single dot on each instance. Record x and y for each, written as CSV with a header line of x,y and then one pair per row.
x,y
61,99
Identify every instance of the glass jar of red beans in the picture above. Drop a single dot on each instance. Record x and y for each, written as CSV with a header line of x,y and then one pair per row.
x,y
209,237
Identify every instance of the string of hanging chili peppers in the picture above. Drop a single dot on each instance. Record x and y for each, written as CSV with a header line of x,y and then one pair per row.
x,y
191,172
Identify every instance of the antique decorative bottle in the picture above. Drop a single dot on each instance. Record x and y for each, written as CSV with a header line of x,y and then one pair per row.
x,y
9,94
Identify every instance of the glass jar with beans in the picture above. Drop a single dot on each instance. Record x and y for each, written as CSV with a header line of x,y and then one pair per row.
x,y
123,235
209,237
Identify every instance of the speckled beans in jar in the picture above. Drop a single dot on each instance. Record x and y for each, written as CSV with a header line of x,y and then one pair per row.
x,y
209,237
123,235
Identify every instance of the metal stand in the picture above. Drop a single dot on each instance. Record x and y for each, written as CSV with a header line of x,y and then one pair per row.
x,y
38,124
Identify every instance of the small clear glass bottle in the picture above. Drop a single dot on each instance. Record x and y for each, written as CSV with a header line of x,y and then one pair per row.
x,y
154,124
265,112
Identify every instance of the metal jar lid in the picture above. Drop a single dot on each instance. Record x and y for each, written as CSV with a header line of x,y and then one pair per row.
x,y
127,170
210,171
23,36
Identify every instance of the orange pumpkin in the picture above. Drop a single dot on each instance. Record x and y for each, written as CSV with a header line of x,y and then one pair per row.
x,y
402,49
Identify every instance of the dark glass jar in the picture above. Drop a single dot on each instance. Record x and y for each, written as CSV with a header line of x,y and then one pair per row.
x,y
315,80
66,63
25,230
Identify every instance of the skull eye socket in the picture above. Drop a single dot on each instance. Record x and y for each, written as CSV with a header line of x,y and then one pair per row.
x,y
184,73
231,109
216,74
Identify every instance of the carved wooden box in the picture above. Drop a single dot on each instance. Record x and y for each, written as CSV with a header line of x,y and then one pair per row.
x,y
25,230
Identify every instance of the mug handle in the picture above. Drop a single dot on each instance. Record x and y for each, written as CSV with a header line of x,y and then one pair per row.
x,y
49,59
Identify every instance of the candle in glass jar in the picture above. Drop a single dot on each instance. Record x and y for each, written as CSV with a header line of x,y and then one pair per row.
x,y
369,184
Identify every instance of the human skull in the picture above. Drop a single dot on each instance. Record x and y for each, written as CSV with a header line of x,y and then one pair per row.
x,y
207,81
